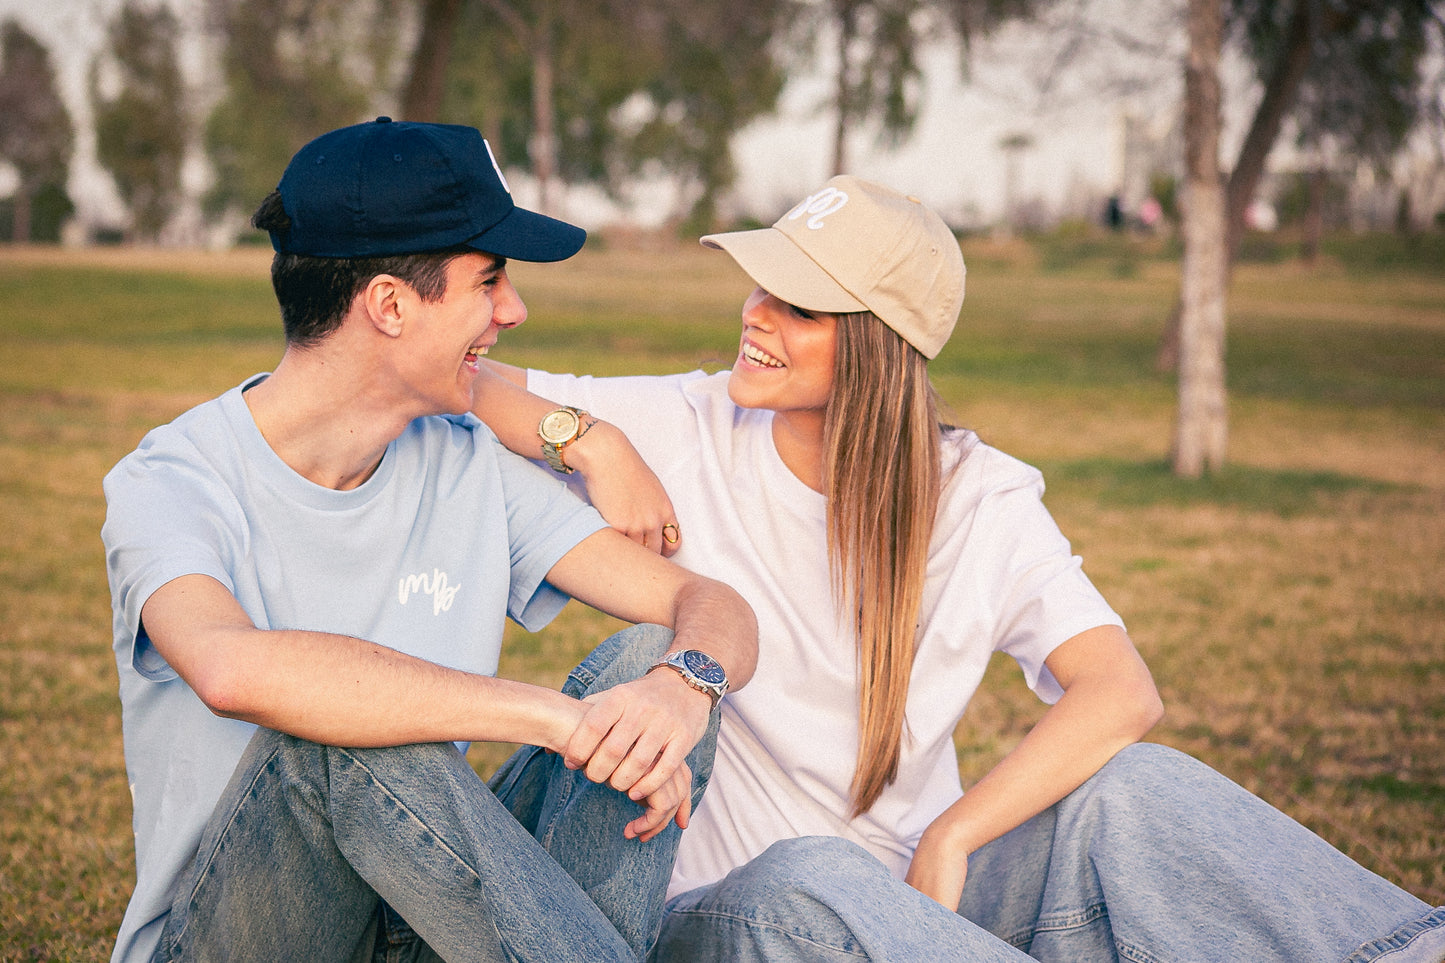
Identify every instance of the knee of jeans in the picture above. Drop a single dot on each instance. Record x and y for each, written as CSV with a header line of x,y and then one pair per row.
x,y
621,657
1143,777
802,873
1148,763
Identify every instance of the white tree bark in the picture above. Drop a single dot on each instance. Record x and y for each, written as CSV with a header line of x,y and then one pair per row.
x,y
1201,430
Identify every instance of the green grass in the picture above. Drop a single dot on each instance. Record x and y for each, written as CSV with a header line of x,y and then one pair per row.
x,y
1287,494
1291,608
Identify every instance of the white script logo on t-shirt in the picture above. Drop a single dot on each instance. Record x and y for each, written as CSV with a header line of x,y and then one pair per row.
x,y
434,585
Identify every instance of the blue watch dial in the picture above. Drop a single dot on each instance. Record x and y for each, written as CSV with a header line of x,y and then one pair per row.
x,y
704,666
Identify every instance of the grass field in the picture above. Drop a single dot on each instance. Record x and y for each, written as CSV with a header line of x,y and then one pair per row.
x,y
1292,608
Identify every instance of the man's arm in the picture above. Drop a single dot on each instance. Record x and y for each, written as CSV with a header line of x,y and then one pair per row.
x,y
635,736
335,689
339,690
619,483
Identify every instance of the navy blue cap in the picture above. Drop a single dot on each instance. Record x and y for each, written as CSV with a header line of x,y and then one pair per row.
x,y
386,188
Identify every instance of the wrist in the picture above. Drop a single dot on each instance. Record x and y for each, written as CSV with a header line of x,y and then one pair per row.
x,y
559,430
953,834
698,671
672,682
584,455
563,717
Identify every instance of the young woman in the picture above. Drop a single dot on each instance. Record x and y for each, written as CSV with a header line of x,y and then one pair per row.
x,y
887,559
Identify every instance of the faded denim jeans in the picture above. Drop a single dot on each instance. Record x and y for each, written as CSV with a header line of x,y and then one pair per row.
x,y
1157,858
319,853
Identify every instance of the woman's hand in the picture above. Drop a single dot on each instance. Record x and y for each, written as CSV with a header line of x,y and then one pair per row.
x,y
619,483
939,869
1109,702
624,490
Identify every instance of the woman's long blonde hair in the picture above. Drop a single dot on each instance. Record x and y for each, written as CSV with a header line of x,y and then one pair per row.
x,y
882,476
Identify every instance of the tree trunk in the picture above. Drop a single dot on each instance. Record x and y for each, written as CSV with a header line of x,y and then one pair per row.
x,y
422,99
847,17
20,225
1314,220
539,40
1201,428
543,145
1279,97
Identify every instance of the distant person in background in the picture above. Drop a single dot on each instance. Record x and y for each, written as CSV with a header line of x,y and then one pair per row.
x,y
888,557
1114,214
310,577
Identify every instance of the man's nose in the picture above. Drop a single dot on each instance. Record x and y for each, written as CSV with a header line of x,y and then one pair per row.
x,y
508,309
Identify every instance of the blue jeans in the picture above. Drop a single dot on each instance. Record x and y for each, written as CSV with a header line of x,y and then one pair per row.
x,y
1157,858
320,853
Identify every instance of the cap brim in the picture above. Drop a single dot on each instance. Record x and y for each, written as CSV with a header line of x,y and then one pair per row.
x,y
524,235
779,267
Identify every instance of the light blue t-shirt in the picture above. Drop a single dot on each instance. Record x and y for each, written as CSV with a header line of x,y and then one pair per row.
x,y
449,536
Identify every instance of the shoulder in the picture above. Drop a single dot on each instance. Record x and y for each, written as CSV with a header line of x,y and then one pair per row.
x,y
974,467
641,404
615,390
197,442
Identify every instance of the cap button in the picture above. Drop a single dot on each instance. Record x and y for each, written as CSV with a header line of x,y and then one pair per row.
x,y
383,120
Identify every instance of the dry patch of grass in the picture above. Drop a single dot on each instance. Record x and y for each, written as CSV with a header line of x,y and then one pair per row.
x,y
1291,611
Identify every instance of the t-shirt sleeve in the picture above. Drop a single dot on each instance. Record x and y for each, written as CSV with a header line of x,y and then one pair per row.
x,y
545,521
1037,586
165,518
651,411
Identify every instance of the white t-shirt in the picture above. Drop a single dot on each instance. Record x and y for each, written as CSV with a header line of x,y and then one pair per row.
x,y
1001,577
448,537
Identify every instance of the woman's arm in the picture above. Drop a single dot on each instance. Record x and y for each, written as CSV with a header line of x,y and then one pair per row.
x,y
619,483
1109,702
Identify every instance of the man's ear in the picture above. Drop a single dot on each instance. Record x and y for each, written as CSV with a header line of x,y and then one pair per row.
x,y
385,301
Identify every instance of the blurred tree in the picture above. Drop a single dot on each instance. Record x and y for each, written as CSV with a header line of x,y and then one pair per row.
x,y
716,69
595,92
1359,67
293,69
1308,200
140,131
538,28
1345,71
426,85
36,136
1201,423
877,75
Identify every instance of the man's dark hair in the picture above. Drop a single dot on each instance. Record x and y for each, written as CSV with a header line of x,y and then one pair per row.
x,y
315,293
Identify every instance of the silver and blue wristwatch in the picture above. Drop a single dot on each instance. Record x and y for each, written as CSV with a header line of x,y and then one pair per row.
x,y
699,670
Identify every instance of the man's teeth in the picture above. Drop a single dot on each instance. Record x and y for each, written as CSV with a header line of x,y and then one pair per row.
x,y
758,355
476,352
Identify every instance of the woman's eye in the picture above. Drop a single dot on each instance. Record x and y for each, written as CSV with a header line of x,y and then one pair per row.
x,y
805,315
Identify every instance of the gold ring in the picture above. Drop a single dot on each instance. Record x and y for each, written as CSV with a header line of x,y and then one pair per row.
x,y
676,533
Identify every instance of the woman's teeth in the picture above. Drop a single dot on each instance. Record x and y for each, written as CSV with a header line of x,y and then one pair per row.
x,y
758,355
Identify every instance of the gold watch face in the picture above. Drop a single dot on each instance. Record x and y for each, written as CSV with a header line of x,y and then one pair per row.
x,y
559,426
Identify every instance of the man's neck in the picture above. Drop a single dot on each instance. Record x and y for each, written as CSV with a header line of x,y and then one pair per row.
x,y
324,419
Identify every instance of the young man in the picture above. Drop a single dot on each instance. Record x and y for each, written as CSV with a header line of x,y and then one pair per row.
x,y
310,576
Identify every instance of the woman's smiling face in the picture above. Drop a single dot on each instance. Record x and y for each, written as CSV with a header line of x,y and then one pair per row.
x,y
785,357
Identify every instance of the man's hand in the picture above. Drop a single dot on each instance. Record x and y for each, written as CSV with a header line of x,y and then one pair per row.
x,y
636,737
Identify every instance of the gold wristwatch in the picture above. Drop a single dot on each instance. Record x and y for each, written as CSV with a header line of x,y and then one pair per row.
x,y
560,428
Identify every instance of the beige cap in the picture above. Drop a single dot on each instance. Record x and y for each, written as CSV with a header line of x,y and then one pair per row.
x,y
856,246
